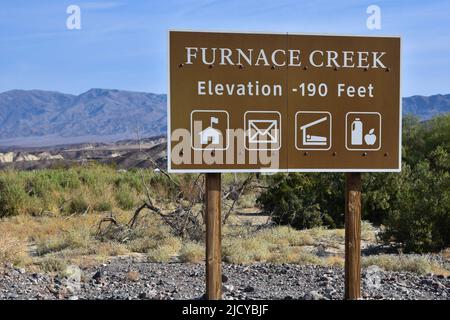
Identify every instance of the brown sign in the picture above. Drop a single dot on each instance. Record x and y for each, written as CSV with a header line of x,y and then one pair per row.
x,y
283,102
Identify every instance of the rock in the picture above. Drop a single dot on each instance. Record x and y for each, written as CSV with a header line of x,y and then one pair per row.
x,y
98,276
6,157
26,157
143,295
227,287
438,286
249,289
325,279
174,281
20,270
224,278
330,290
314,295
372,277
427,282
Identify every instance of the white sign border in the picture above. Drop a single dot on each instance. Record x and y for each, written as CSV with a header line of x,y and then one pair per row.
x,y
169,168
346,131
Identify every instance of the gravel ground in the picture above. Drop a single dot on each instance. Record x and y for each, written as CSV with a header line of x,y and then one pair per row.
x,y
130,279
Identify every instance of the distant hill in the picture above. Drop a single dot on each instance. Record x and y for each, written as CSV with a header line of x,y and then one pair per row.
x,y
46,118
39,118
426,107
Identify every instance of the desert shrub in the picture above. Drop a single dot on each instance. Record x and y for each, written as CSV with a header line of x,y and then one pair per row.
x,y
12,198
131,179
245,250
421,222
103,205
74,238
419,214
78,204
163,188
192,252
108,249
39,185
13,250
188,188
66,179
414,264
124,198
151,234
286,236
94,174
294,255
162,253
54,244
53,265
381,193
305,200
247,200
414,205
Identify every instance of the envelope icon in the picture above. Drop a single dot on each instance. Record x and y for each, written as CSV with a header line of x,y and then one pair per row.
x,y
263,131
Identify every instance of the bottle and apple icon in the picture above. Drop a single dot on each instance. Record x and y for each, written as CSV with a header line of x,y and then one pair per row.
x,y
357,134
364,130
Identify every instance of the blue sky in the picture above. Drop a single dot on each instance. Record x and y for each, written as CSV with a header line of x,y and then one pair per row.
x,y
123,44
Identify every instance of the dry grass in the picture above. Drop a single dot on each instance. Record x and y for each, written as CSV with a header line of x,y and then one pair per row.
x,y
44,243
133,276
416,264
163,253
53,265
50,243
279,245
192,252
13,250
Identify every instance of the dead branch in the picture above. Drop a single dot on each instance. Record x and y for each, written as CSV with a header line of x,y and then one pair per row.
x,y
164,172
236,193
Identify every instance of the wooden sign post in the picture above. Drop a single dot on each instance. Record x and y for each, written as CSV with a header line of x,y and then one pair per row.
x,y
353,235
213,236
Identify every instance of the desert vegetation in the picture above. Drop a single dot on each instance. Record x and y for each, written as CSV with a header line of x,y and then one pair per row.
x,y
413,206
88,214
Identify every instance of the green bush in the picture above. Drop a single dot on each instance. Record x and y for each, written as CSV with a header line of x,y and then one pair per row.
x,y
414,205
421,221
124,198
419,217
78,204
12,198
305,200
103,205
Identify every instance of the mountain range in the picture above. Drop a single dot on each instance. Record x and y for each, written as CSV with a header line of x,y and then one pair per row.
x,y
39,118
